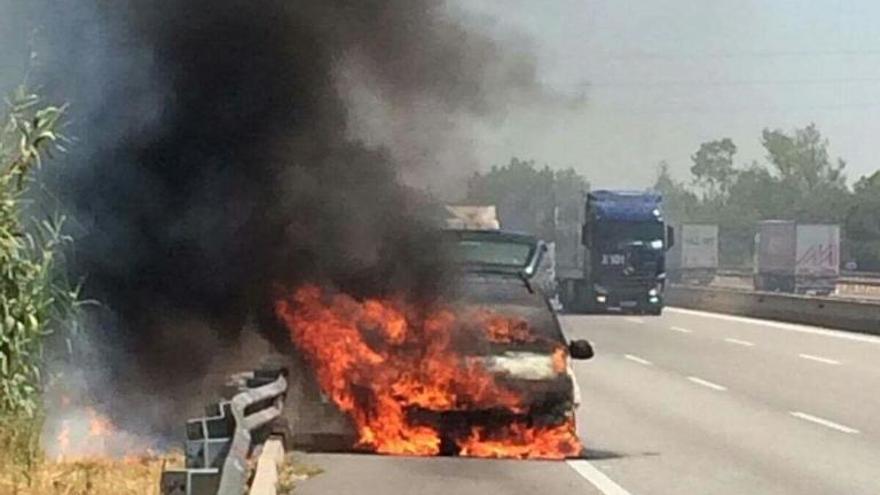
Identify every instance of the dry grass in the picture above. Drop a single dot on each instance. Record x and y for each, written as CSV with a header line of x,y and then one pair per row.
x,y
294,472
25,471
134,476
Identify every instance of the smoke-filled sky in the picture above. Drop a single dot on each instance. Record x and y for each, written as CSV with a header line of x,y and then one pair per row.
x,y
662,76
228,151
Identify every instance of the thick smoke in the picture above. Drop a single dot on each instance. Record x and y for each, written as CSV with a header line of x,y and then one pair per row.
x,y
218,156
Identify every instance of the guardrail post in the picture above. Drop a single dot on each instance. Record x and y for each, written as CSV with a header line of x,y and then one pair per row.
x,y
219,444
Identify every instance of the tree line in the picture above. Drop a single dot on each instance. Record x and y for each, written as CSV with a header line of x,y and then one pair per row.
x,y
799,180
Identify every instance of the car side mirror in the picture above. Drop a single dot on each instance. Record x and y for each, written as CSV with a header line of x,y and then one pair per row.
x,y
670,236
580,349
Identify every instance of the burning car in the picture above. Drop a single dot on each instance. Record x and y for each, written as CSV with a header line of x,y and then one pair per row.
x,y
498,273
483,372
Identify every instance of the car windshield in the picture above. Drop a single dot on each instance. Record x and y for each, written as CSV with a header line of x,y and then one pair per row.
x,y
491,252
617,235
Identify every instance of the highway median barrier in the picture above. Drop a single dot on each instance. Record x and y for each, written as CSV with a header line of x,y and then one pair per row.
x,y
843,314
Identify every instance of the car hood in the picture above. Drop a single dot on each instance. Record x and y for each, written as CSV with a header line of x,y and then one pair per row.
x,y
512,296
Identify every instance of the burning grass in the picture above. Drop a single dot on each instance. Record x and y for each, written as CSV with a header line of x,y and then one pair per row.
x,y
400,374
25,470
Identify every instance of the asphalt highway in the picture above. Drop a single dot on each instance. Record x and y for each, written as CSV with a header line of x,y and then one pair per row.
x,y
687,403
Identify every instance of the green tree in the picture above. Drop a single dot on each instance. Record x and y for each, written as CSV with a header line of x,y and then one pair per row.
x,y
802,159
529,198
814,184
862,225
713,166
801,183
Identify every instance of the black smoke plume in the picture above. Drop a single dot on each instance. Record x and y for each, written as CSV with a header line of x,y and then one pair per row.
x,y
216,160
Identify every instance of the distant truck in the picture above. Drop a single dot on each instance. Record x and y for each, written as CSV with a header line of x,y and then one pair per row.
x,y
466,217
618,262
694,258
797,258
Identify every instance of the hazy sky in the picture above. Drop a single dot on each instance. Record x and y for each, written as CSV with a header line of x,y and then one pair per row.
x,y
662,76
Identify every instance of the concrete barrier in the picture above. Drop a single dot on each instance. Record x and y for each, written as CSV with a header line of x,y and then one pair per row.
x,y
269,464
843,314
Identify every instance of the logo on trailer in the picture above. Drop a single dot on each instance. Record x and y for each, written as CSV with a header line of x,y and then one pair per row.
x,y
819,255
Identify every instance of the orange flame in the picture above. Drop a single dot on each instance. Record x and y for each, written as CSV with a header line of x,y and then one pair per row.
x,y
86,434
385,364
99,426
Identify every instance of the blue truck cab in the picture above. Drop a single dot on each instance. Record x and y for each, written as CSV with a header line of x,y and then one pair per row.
x,y
625,239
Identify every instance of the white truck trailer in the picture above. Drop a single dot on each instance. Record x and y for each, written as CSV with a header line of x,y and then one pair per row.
x,y
694,258
798,258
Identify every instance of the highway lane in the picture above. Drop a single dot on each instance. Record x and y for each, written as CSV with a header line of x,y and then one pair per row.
x,y
377,475
697,403
687,403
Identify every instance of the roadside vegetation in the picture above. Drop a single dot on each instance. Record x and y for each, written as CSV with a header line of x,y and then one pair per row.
x,y
799,180
35,298
37,301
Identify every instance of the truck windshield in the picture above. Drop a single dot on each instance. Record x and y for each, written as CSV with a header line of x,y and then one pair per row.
x,y
486,252
617,235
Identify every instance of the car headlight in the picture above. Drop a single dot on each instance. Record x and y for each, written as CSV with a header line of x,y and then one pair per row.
x,y
652,292
657,244
522,365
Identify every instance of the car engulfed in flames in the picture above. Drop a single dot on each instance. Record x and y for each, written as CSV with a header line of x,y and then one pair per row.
x,y
485,374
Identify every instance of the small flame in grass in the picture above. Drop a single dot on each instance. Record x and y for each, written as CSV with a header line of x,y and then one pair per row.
x,y
86,434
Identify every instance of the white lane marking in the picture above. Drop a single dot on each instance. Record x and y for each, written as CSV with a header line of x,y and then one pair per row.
x,y
706,383
819,359
635,320
838,334
744,343
824,422
597,478
638,359
681,329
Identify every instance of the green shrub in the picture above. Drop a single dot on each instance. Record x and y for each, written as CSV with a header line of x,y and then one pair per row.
x,y
34,296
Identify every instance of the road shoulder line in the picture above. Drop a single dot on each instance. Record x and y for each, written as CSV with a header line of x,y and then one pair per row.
x,y
818,359
824,422
597,478
744,343
637,359
707,383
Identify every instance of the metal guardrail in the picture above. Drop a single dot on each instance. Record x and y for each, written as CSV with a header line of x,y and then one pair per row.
x,y
219,444
235,469
839,313
846,277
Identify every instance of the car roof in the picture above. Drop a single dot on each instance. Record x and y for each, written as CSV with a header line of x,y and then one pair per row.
x,y
499,235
